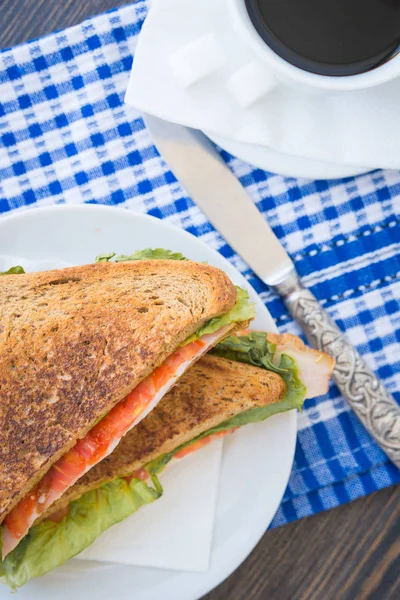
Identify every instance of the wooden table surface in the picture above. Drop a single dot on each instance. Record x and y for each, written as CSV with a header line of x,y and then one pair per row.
x,y
349,553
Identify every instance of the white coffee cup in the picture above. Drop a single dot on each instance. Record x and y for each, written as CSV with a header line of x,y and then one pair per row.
x,y
281,71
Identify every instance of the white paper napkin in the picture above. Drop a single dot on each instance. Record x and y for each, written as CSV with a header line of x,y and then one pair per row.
x,y
355,128
175,531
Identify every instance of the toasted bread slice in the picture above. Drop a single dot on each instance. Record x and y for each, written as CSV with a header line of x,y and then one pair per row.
x,y
209,393
75,342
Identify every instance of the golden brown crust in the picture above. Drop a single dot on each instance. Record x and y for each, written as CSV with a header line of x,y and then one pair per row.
x,y
74,342
210,392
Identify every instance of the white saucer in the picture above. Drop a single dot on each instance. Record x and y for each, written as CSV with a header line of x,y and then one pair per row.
x,y
357,129
273,161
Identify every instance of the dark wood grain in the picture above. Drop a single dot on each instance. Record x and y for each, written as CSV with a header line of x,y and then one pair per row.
x,y
22,20
350,553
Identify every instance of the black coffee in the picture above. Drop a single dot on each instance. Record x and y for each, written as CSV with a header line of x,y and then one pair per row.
x,y
329,37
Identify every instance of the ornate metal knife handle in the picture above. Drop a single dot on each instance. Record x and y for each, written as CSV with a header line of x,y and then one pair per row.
x,y
366,394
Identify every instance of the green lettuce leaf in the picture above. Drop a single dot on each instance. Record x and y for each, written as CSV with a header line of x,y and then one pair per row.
x,y
105,257
242,311
49,544
252,349
146,254
13,271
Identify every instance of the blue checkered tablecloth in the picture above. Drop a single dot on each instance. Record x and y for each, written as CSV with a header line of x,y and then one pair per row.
x,y
67,137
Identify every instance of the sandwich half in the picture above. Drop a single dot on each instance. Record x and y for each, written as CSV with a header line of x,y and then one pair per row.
x,y
85,354
245,380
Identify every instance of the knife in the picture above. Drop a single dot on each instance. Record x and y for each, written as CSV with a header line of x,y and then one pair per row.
x,y
213,187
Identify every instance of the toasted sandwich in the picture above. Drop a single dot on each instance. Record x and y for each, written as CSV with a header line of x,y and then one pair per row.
x,y
86,353
245,379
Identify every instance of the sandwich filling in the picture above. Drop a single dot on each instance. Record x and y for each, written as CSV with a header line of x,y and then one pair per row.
x,y
103,438
69,531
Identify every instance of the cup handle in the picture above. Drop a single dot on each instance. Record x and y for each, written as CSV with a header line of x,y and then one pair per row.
x,y
250,83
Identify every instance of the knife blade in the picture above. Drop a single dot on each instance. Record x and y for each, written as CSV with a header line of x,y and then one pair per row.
x,y
210,183
221,197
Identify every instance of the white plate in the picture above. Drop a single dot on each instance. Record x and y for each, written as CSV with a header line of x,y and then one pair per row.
x,y
256,460
273,161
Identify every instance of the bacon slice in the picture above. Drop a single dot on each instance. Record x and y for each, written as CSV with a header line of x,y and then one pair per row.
x,y
102,439
315,367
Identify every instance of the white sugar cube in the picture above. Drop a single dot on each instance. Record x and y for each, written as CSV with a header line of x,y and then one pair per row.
x,y
197,59
250,83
